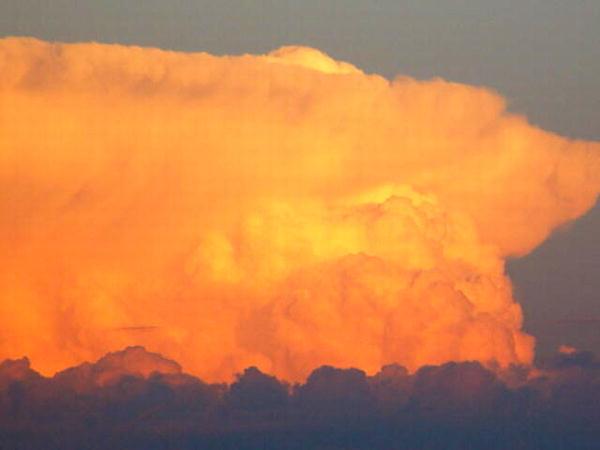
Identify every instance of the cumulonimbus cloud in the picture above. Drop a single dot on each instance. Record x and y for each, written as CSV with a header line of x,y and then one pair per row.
x,y
283,210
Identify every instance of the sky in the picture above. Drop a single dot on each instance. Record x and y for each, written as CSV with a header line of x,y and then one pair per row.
x,y
542,55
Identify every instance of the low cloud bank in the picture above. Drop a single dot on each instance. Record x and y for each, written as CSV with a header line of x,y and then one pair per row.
x,y
136,399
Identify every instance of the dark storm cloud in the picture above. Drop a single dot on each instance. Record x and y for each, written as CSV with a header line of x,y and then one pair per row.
x,y
135,399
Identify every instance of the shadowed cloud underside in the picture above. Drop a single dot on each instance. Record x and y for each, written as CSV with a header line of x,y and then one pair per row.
x,y
136,399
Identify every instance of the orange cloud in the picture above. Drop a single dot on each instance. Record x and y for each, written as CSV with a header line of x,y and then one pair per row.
x,y
284,211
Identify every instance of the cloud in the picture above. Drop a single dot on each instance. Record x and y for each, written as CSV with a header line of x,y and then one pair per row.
x,y
255,391
108,370
335,393
16,370
284,211
453,405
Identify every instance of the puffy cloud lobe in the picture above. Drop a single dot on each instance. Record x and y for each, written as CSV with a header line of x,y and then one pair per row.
x,y
454,405
283,211
456,391
133,361
255,391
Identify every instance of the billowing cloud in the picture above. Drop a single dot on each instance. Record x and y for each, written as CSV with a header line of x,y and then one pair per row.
x,y
283,211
